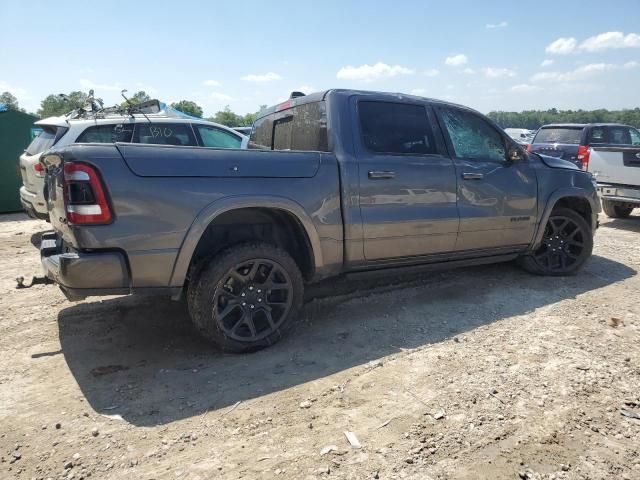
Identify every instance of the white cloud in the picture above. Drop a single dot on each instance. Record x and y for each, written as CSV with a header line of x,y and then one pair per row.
x,y
89,85
220,96
525,88
607,40
631,64
469,71
579,73
211,83
497,25
18,92
495,72
562,46
547,62
456,60
369,73
266,77
432,72
421,92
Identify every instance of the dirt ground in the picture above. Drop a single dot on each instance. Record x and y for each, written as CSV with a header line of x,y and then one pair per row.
x,y
483,372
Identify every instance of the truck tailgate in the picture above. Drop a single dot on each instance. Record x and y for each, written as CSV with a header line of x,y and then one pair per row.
x,y
617,165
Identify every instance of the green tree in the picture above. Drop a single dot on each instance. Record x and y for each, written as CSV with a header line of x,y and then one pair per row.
x,y
534,119
232,119
10,101
55,105
138,97
227,117
188,107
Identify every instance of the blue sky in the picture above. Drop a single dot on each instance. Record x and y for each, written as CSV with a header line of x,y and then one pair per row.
x,y
497,55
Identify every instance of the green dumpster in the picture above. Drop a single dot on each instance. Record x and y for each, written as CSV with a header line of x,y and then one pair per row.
x,y
15,135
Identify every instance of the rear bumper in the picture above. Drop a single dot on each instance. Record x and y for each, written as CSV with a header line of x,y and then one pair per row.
x,y
620,193
34,203
82,274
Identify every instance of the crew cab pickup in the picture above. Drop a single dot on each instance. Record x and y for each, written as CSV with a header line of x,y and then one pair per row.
x,y
333,183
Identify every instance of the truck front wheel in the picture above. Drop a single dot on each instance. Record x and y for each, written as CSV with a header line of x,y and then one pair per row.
x,y
566,245
614,210
246,298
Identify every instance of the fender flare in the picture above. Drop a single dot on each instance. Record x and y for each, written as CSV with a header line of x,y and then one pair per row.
x,y
236,202
551,202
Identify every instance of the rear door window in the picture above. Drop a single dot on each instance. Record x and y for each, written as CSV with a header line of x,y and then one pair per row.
x,y
570,136
120,132
179,134
216,137
395,128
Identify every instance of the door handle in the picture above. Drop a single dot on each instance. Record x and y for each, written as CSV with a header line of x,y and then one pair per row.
x,y
472,176
381,174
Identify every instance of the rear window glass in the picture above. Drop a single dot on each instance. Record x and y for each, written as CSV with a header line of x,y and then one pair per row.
x,y
120,132
614,135
302,128
395,128
215,137
44,141
179,134
559,135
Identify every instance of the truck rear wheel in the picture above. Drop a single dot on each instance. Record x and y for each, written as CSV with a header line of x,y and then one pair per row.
x,y
566,245
614,210
246,298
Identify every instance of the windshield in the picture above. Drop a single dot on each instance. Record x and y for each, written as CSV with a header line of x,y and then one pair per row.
x,y
559,135
44,141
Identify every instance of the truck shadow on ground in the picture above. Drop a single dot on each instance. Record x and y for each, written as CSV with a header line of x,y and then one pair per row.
x,y
631,224
140,358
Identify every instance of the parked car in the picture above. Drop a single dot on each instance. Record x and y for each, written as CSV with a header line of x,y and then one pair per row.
x,y
336,182
614,160
523,136
167,127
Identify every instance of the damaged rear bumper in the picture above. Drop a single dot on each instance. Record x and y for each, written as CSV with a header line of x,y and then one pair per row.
x,y
82,274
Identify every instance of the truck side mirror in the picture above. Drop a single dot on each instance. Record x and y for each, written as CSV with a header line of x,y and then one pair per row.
x,y
515,154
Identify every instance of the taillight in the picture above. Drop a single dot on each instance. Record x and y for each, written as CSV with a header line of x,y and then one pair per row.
x,y
583,155
529,147
38,169
84,196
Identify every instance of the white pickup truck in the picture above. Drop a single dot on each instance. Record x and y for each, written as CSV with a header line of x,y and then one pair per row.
x,y
610,151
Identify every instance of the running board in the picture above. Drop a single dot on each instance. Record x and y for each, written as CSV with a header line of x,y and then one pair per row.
x,y
428,267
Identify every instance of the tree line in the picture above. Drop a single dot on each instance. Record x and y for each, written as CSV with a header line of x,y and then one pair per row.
x,y
534,119
56,105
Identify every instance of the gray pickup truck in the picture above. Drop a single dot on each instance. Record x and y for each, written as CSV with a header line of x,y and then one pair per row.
x,y
333,183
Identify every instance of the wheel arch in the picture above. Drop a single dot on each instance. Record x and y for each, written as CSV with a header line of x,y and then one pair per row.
x,y
576,199
284,207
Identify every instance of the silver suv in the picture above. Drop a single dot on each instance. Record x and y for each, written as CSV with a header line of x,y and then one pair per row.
x,y
165,127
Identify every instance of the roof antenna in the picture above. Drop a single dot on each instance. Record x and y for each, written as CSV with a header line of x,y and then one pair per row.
x,y
133,107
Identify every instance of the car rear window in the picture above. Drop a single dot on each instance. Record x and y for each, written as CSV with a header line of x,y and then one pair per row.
x,y
302,128
570,136
120,132
44,141
614,135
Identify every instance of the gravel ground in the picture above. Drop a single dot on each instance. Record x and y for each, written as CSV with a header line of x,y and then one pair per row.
x,y
483,372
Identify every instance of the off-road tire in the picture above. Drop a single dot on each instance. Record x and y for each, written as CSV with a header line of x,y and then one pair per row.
x,y
614,210
214,279
555,266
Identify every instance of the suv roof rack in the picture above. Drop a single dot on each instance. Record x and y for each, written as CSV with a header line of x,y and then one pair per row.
x,y
297,94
